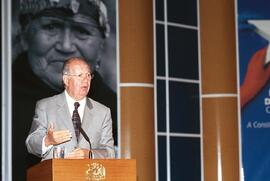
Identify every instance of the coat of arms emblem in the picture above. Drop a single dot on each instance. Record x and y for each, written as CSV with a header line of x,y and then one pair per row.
x,y
95,172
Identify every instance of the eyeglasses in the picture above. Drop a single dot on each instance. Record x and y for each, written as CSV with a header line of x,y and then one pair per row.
x,y
82,75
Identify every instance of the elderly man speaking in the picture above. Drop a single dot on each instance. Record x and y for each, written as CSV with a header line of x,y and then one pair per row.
x,y
53,123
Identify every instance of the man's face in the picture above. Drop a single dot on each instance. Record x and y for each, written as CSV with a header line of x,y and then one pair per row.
x,y
77,80
52,40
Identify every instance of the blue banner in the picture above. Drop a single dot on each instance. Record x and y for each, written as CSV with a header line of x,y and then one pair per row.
x,y
253,18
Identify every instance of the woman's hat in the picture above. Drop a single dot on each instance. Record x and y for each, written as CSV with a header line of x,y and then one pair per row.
x,y
93,8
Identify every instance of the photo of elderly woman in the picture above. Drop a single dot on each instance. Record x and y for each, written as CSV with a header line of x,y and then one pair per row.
x,y
45,34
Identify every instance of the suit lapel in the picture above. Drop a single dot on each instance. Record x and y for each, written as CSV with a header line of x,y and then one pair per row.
x,y
87,115
63,112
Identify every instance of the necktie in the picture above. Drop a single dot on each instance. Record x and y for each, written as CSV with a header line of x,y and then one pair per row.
x,y
76,120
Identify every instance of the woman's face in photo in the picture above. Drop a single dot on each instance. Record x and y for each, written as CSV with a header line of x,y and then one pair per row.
x,y
52,40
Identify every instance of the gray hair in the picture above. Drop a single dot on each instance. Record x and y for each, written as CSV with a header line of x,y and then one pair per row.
x,y
66,66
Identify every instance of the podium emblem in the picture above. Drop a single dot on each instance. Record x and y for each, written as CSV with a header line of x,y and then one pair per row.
x,y
95,172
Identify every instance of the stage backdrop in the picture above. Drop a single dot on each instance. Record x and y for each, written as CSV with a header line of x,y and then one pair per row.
x,y
39,47
253,20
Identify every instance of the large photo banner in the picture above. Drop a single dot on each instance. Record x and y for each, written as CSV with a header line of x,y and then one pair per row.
x,y
253,20
45,33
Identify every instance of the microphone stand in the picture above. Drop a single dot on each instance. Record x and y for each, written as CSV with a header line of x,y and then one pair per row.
x,y
88,140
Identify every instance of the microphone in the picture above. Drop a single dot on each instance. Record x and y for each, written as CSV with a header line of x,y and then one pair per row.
x,y
88,140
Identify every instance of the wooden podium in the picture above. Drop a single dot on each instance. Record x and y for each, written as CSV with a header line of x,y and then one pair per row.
x,y
83,170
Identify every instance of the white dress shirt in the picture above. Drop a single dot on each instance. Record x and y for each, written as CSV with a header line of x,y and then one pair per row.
x,y
71,101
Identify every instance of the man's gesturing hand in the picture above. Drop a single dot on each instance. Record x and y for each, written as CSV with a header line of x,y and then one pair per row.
x,y
56,137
